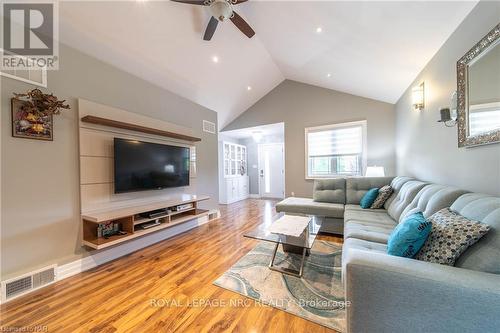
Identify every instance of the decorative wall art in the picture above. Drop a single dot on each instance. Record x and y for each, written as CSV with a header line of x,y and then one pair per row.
x,y
32,114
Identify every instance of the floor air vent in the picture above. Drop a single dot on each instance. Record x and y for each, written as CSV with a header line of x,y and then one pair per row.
x,y
208,126
29,282
19,286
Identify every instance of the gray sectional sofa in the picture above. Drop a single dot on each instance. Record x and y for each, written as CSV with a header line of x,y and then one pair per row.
x,y
394,294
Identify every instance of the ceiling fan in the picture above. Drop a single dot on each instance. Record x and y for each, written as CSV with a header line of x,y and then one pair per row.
x,y
221,10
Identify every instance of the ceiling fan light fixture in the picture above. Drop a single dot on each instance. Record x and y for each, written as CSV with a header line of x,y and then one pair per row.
x,y
221,10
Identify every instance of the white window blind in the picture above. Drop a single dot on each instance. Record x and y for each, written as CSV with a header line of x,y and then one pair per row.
x,y
335,150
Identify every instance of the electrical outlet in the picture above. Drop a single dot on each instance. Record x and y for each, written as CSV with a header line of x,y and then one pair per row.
x,y
293,194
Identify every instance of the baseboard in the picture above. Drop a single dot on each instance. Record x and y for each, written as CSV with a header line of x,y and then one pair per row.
x,y
100,257
97,258
254,196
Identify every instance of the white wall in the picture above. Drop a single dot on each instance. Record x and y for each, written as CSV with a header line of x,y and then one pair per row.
x,y
428,150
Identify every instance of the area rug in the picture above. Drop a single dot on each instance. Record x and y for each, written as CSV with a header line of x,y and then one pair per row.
x,y
318,296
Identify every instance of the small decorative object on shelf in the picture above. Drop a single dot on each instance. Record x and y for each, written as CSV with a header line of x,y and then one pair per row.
x,y
32,114
446,117
108,229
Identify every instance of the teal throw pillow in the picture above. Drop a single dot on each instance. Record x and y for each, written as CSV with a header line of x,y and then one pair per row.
x,y
369,198
409,236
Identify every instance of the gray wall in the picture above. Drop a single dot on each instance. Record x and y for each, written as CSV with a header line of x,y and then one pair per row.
x,y
300,105
40,193
253,158
427,149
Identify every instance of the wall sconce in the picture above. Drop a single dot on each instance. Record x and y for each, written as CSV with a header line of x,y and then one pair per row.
x,y
418,97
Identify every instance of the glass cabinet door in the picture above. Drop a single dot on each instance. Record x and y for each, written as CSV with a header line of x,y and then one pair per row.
x,y
238,167
235,159
233,152
244,160
238,153
226,151
233,168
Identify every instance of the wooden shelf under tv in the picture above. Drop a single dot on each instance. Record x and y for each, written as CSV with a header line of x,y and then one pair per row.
x,y
129,220
137,128
141,220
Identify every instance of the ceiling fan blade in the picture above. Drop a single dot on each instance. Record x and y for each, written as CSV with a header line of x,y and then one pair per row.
x,y
239,1
241,24
212,25
191,2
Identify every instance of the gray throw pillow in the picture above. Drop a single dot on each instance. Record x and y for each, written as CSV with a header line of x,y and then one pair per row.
x,y
383,194
451,235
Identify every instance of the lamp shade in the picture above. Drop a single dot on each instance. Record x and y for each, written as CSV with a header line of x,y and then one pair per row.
x,y
375,171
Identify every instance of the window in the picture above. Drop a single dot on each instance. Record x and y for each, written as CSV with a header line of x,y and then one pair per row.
x,y
336,150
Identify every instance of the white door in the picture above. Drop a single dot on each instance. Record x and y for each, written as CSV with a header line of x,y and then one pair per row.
x,y
271,170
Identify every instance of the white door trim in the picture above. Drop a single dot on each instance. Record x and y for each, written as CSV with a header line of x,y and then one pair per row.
x,y
282,144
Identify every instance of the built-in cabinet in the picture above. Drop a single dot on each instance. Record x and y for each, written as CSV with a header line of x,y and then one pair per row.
x,y
234,178
235,159
236,189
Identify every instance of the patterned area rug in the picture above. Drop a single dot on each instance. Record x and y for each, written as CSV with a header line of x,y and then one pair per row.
x,y
318,296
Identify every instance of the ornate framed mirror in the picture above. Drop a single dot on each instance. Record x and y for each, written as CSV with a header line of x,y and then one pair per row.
x,y
478,89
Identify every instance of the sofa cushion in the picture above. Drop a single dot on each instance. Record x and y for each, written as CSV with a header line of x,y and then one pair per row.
x,y
382,224
351,207
356,187
307,206
376,216
329,190
485,254
404,197
432,198
396,185
359,244
378,234
451,235
409,236
369,197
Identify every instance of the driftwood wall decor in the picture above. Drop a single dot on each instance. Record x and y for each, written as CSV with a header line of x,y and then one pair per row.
x,y
32,114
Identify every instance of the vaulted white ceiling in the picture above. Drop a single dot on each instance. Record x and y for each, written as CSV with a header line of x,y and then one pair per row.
x,y
370,49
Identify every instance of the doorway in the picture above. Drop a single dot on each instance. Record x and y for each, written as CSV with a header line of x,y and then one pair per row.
x,y
271,164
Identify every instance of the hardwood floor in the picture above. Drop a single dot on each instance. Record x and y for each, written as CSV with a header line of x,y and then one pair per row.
x,y
166,287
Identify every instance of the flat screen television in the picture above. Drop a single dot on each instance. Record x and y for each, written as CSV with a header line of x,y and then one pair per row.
x,y
143,166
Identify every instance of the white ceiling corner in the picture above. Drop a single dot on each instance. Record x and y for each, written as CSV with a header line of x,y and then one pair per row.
x,y
371,49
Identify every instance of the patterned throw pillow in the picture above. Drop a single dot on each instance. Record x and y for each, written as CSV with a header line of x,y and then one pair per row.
x,y
451,235
383,194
